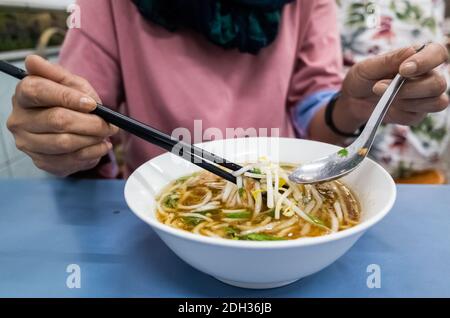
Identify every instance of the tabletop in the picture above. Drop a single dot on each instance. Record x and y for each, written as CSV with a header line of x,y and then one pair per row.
x,y
77,238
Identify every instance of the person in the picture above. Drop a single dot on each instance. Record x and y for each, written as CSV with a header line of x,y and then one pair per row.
x,y
373,27
243,63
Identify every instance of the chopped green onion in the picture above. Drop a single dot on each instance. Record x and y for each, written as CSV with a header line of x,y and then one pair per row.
x,y
343,152
227,211
182,179
241,215
171,202
256,171
315,220
230,230
231,233
190,220
260,237
185,178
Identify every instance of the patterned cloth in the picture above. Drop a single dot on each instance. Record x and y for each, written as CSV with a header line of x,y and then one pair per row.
x,y
373,27
248,25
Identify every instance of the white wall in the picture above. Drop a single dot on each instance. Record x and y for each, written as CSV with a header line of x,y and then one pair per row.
x,y
50,4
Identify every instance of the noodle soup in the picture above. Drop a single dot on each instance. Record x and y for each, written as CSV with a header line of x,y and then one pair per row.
x,y
264,205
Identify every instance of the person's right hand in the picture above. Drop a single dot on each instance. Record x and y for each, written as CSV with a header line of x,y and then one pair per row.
x,y
51,123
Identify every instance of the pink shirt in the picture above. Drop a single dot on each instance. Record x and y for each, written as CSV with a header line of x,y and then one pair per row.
x,y
169,80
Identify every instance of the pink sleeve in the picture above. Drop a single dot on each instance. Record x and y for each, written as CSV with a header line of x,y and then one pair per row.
x,y
319,58
91,52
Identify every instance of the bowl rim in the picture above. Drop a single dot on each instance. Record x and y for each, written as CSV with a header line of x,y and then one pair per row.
x,y
307,241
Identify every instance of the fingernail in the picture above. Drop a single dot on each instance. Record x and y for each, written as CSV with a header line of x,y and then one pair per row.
x,y
380,88
109,145
114,128
383,86
409,68
88,103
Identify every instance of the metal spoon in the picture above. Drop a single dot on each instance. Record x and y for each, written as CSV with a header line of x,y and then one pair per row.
x,y
341,163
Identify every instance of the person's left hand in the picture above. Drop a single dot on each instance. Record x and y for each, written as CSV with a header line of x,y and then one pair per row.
x,y
424,91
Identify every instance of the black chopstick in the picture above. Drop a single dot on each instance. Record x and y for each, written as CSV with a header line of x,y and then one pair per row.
x,y
189,152
164,141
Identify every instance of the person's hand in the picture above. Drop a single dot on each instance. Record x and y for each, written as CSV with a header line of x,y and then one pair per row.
x,y
51,123
424,91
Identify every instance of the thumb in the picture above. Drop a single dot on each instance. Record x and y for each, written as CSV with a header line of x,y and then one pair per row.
x,y
39,66
384,65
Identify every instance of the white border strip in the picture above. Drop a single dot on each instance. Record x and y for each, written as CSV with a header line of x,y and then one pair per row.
x,y
42,4
22,54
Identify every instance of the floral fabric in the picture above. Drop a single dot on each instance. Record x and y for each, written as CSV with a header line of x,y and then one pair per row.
x,y
372,27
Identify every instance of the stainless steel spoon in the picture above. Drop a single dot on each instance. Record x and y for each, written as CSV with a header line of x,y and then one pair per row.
x,y
341,163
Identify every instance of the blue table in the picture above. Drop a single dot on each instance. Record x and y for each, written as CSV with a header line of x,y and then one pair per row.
x,y
47,225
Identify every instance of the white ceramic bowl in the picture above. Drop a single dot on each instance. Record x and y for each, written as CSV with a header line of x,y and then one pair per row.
x,y
259,264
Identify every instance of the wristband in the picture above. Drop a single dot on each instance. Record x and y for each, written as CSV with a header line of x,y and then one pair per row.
x,y
330,123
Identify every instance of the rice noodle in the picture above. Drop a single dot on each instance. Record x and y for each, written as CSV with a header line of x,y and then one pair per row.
x,y
310,206
269,206
243,170
196,215
265,221
207,207
276,187
258,200
306,229
231,200
341,202
206,198
308,194
317,197
337,208
286,224
269,189
227,191
219,226
258,229
248,227
197,229
217,197
296,192
169,219
254,175
239,182
334,221
280,201
286,231
215,185
210,234
250,202
307,218
191,181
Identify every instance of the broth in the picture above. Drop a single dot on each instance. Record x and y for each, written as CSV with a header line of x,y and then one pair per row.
x,y
264,205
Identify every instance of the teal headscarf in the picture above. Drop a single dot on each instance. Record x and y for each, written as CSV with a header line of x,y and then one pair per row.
x,y
248,25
